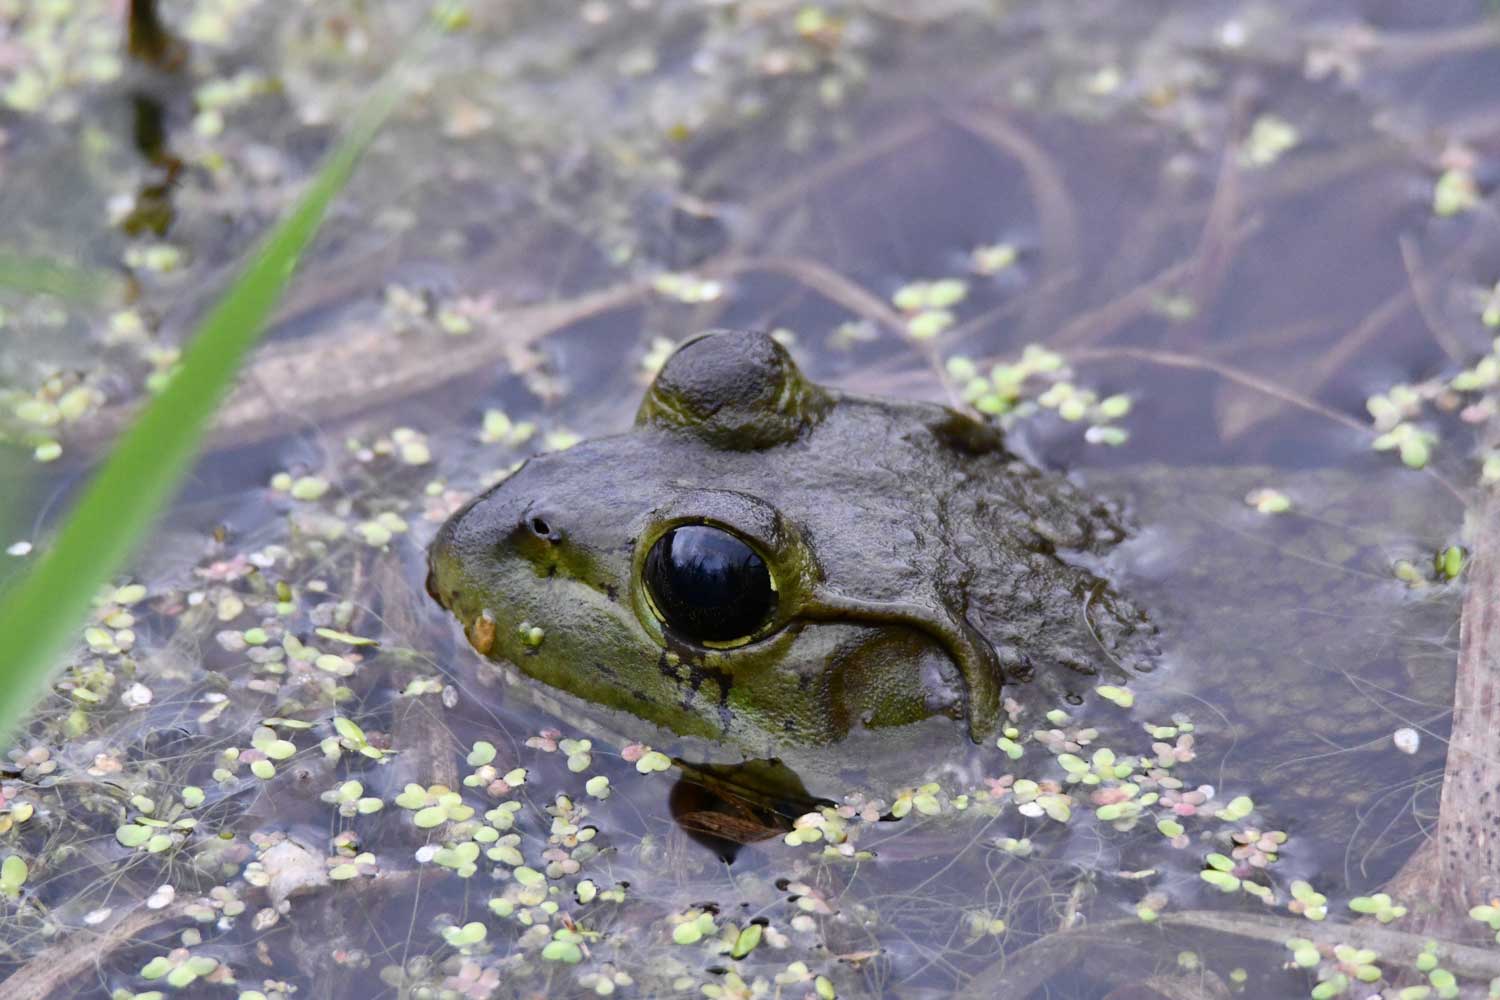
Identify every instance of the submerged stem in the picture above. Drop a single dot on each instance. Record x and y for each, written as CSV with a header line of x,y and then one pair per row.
x,y
149,40
1116,942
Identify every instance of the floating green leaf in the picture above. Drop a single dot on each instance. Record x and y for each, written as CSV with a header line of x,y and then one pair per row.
x,y
13,874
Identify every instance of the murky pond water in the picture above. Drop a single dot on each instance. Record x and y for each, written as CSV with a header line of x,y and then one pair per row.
x,y
1254,243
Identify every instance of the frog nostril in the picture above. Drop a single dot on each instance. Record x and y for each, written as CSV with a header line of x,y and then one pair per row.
x,y
542,529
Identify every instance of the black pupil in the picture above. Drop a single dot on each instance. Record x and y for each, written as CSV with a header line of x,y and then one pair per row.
x,y
709,585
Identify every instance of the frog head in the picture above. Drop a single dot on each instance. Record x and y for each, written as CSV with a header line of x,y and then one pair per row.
x,y
759,561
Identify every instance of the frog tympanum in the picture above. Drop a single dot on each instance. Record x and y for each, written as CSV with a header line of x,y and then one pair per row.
x,y
784,570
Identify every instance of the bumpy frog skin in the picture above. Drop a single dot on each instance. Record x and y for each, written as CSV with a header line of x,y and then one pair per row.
x,y
914,564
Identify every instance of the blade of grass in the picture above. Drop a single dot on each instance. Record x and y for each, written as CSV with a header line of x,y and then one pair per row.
x,y
40,614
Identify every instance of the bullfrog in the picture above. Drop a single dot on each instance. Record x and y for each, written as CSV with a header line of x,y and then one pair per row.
x,y
782,570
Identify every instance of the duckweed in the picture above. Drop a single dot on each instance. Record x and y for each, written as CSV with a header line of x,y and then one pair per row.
x,y
179,968
1269,139
993,258
14,871
1378,906
1269,501
1455,191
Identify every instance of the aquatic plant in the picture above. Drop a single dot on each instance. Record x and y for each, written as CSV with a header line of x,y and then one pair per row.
x,y
39,614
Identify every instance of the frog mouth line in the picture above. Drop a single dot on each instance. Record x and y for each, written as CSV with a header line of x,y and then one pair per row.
x,y
977,661
973,655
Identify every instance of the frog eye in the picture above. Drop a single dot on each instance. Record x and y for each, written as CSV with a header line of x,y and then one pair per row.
x,y
708,585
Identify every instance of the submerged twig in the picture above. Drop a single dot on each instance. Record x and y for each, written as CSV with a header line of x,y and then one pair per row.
x,y
1421,291
1028,968
1172,359
1299,176
1357,339
1216,240
1414,47
869,149
1096,324
54,967
148,40
1175,359
50,971
343,372
1054,205
825,281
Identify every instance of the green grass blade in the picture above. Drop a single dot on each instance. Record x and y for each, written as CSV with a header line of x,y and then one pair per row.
x,y
41,613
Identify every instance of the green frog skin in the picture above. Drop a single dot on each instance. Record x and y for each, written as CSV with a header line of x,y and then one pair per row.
x,y
775,567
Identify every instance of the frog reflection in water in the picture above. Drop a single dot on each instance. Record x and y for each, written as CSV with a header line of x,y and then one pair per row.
x,y
774,569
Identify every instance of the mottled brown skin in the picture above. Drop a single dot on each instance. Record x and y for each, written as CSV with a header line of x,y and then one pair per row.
x,y
918,564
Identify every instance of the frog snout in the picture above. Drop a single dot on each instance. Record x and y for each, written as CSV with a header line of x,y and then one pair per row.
x,y
440,555
476,544
445,562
